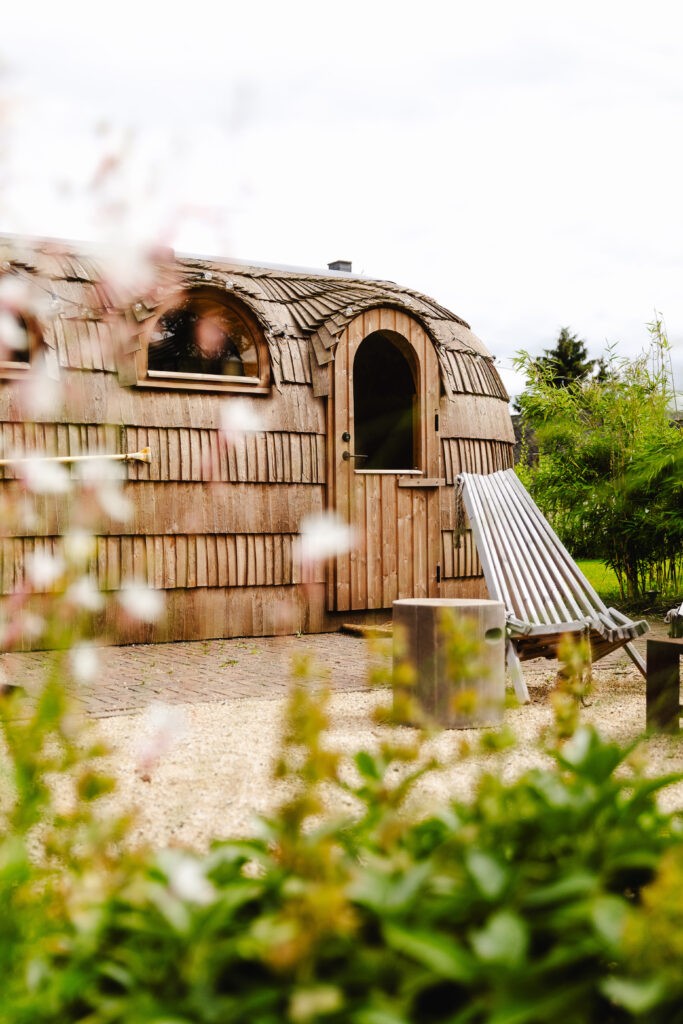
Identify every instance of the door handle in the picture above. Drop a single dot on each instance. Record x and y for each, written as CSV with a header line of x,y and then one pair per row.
x,y
346,455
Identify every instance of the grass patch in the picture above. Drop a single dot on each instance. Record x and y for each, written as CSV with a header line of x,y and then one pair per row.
x,y
601,577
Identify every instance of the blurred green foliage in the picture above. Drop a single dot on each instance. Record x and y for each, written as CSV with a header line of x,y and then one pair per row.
x,y
609,474
555,896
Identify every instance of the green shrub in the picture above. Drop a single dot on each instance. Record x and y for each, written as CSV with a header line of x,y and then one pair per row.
x,y
609,474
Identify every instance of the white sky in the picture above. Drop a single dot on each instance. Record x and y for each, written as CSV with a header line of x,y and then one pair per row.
x,y
520,162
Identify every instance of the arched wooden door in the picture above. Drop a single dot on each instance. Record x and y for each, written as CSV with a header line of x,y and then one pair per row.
x,y
385,400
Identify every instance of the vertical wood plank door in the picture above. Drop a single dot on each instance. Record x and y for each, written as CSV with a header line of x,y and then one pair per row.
x,y
384,407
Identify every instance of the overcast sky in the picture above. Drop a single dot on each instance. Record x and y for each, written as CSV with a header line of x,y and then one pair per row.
x,y
520,162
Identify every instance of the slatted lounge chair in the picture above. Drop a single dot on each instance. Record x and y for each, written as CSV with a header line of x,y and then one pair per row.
x,y
527,568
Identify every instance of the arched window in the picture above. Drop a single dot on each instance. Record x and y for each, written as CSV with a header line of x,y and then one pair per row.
x,y
20,342
206,339
384,400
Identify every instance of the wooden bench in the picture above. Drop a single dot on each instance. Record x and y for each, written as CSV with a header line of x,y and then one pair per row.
x,y
525,565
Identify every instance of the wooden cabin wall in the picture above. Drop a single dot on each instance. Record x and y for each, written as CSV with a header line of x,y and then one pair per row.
x,y
476,437
213,522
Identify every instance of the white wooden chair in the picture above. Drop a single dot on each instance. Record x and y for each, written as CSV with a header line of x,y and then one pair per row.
x,y
526,566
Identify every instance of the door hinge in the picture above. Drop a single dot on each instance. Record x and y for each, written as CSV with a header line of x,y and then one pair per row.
x,y
436,422
438,572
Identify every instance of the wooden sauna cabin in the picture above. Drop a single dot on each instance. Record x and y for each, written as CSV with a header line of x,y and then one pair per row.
x,y
370,398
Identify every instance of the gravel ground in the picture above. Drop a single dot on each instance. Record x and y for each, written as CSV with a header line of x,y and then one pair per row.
x,y
201,771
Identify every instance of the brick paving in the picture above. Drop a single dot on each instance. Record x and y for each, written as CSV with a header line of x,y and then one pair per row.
x,y
130,678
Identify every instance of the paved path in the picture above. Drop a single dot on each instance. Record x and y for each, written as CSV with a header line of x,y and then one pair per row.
x,y
133,677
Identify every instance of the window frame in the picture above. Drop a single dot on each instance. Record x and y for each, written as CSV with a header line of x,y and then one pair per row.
x,y
406,351
16,369
205,382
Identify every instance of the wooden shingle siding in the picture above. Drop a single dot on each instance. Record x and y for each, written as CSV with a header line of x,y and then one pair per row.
x,y
459,556
205,455
295,361
179,508
474,455
227,612
168,562
27,439
459,455
476,416
471,374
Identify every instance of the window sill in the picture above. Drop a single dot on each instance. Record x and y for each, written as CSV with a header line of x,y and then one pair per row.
x,y
13,371
389,472
203,382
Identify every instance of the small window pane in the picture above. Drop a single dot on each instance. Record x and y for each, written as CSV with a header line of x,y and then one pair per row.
x,y
203,337
14,338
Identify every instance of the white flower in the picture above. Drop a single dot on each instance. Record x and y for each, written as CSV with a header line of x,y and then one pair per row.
x,y
43,477
127,267
162,726
141,602
79,546
83,592
15,294
41,393
43,568
322,536
238,417
186,877
106,477
114,503
84,662
32,625
101,470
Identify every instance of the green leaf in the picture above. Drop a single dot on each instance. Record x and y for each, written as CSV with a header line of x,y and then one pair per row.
x,y
390,892
503,940
367,765
637,995
489,874
609,915
378,1017
314,1001
591,756
576,884
440,953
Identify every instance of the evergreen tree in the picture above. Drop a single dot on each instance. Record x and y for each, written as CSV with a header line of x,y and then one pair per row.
x,y
568,360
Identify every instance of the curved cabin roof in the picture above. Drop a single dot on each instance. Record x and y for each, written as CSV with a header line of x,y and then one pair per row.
x,y
302,312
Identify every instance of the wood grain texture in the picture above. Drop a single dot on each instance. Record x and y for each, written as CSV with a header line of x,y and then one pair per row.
x,y
166,563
